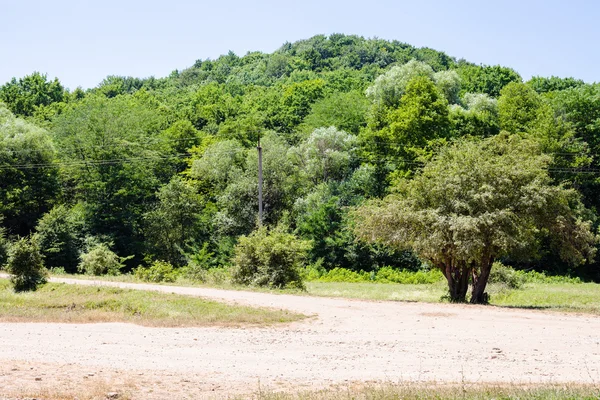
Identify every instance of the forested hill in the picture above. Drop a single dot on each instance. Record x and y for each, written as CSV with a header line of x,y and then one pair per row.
x,y
166,168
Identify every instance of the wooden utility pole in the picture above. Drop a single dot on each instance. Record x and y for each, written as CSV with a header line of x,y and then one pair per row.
x,y
260,184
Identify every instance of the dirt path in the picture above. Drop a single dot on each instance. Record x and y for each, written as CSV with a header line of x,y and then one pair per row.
x,y
348,340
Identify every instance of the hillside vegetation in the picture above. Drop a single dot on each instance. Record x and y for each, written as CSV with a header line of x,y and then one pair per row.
x,y
161,174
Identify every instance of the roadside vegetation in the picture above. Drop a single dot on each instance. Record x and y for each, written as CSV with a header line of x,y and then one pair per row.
x,y
55,302
443,392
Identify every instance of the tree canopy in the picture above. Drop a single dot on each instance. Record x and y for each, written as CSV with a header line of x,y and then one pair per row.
x,y
164,170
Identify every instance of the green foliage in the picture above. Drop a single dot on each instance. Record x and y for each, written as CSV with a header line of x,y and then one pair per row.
x,y
518,107
486,79
111,162
474,202
269,258
544,85
345,110
25,265
4,248
396,138
159,271
388,274
166,169
174,222
99,259
25,95
61,233
388,88
327,154
25,193
501,273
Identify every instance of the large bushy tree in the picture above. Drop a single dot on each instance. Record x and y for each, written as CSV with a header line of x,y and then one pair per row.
x,y
477,201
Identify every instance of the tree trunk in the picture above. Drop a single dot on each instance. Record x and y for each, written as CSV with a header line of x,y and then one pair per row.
x,y
478,294
458,282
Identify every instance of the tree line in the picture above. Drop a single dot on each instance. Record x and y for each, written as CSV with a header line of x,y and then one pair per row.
x,y
371,149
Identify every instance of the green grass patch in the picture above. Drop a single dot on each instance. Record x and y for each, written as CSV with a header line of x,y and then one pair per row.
x,y
57,302
419,391
582,297
569,297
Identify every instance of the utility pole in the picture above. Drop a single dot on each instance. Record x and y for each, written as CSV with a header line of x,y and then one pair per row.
x,y
260,184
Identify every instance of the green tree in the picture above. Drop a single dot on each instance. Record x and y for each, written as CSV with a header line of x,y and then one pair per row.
x,y
24,95
518,107
60,234
420,120
174,222
29,173
345,111
327,154
477,201
112,162
486,79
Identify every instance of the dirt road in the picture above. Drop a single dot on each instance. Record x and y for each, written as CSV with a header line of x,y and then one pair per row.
x,y
346,341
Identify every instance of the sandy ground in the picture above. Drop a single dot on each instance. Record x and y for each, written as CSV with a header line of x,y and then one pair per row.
x,y
347,341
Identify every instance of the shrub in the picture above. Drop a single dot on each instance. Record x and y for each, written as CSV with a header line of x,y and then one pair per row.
x,y
270,258
100,260
26,266
501,273
159,271
391,275
345,275
316,272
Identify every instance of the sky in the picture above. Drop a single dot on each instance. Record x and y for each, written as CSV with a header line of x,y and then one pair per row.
x,y
81,42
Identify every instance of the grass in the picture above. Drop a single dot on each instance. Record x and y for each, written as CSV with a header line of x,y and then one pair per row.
x,y
56,302
431,293
565,297
551,294
582,297
419,391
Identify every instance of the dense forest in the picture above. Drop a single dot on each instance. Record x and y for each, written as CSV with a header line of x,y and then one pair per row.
x,y
165,169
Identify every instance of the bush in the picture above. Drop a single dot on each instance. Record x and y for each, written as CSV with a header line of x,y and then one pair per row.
x,y
26,266
391,275
100,260
159,271
346,275
270,258
501,273
316,272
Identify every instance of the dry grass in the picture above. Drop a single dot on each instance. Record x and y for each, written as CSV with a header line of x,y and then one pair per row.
x,y
56,302
421,391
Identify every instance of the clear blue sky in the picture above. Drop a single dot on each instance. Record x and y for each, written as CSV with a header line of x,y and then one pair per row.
x,y
81,42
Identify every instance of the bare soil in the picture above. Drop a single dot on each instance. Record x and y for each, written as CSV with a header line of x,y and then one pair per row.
x,y
347,341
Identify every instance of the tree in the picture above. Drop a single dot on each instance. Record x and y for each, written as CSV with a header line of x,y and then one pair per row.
x,y
327,154
29,181
111,161
174,222
479,117
345,111
518,107
388,88
61,233
420,120
477,201
486,79
23,96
